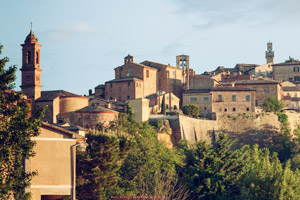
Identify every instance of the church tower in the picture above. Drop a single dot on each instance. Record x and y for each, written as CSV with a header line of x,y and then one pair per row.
x,y
270,53
183,61
31,71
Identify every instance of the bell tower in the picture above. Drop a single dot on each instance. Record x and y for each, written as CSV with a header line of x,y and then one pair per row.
x,y
270,53
31,71
183,61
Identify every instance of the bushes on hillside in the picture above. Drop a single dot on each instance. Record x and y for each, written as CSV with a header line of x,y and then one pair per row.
x,y
272,104
190,110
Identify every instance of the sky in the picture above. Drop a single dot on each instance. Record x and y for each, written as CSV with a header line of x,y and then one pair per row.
x,y
84,40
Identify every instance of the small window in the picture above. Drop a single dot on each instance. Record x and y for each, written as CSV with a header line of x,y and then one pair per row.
x,y
37,57
172,98
205,98
247,97
167,106
128,83
247,109
28,57
288,94
193,99
204,108
290,79
137,85
128,97
266,89
233,109
129,72
225,109
167,97
219,97
295,94
111,98
233,97
175,107
168,74
147,73
78,119
297,78
296,69
254,88
111,85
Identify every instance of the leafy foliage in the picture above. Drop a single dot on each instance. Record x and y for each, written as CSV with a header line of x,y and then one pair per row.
x,y
272,104
163,106
191,110
16,130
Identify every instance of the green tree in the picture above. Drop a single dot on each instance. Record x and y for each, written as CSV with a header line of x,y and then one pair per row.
x,y
214,171
272,104
163,105
191,110
269,179
97,168
16,130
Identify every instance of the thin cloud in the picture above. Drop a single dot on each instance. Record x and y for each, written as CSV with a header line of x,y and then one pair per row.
x,y
67,31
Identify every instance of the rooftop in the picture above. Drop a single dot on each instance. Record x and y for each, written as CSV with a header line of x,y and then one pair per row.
x,y
291,88
52,94
261,81
95,109
197,91
124,79
231,89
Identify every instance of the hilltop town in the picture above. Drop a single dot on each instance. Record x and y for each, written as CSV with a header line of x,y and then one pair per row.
x,y
153,91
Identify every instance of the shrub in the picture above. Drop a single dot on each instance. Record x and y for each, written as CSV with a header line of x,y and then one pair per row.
x,y
272,104
191,110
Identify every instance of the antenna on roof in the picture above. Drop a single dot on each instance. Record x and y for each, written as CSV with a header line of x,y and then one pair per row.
x,y
31,26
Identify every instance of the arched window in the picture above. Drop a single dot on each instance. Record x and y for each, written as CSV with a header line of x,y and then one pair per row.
x,y
28,57
37,57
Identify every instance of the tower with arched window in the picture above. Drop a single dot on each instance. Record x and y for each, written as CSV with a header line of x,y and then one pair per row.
x,y
31,70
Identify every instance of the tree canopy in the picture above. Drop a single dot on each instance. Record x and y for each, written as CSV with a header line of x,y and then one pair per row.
x,y
16,129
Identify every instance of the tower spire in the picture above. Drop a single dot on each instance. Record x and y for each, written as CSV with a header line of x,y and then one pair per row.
x,y
31,26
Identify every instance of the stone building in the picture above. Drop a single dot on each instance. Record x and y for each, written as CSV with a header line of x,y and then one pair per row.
x,y
263,88
110,104
138,80
287,71
90,116
291,98
59,102
155,101
229,100
55,162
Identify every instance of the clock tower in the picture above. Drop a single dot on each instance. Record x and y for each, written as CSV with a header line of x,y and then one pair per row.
x,y
270,53
31,71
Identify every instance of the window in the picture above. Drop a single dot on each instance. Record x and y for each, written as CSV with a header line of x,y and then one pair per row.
x,y
233,109
247,109
290,79
129,72
295,94
266,89
175,107
204,108
233,97
167,106
254,88
137,84
225,109
247,97
172,98
147,73
128,97
128,83
28,57
219,97
78,119
167,97
297,78
296,69
37,57
168,74
288,94
205,98
111,85
193,99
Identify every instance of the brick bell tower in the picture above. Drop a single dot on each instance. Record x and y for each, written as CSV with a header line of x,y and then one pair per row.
x,y
270,53
31,71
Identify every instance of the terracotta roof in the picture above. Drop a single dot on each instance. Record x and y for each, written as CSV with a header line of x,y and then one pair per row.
x,y
124,79
249,82
135,198
291,88
31,38
231,89
290,61
95,109
155,64
197,91
71,133
100,86
50,95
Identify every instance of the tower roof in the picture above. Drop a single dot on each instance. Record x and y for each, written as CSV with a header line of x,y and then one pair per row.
x,y
31,38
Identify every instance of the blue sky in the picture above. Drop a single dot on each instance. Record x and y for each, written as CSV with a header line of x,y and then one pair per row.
x,y
84,40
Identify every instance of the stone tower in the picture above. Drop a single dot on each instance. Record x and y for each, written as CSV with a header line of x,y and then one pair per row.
x,y
270,53
183,61
31,71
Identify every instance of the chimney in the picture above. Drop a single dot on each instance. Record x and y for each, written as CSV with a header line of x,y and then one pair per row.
x,y
90,92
